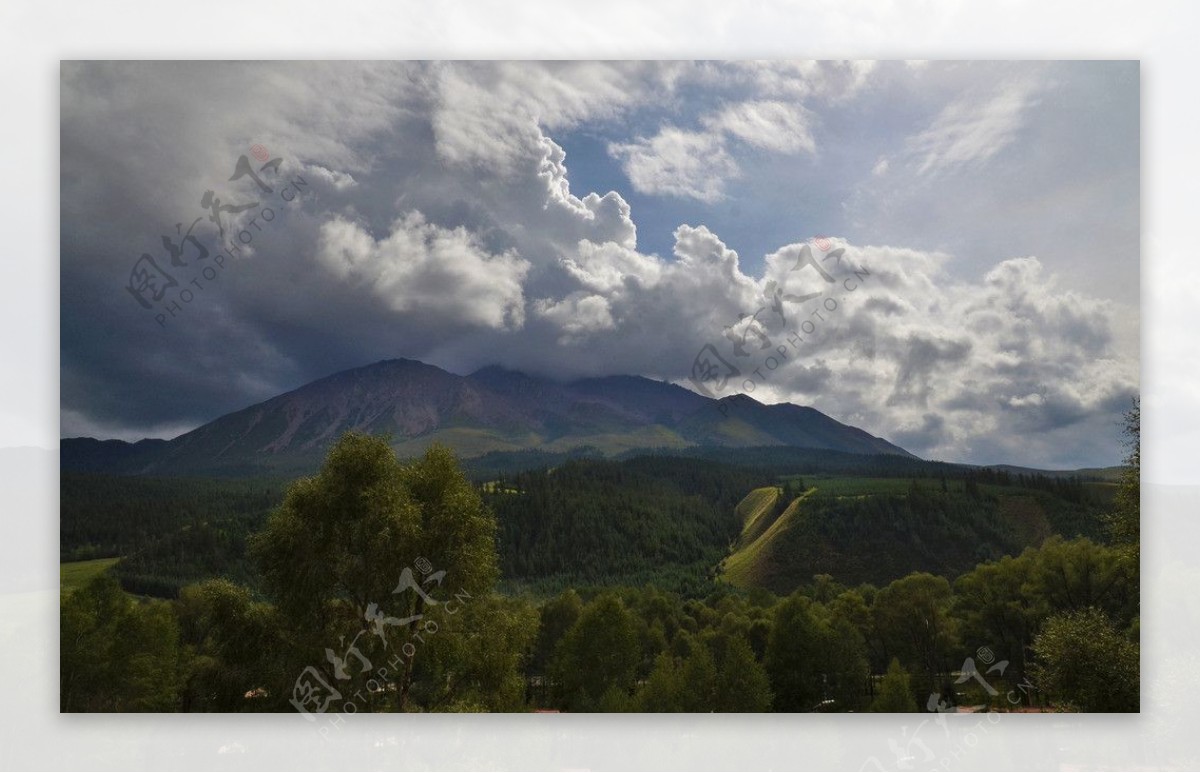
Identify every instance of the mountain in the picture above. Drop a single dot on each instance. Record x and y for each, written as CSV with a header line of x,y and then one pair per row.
x,y
1111,474
491,410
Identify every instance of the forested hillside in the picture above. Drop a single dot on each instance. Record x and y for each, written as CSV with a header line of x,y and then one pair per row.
x,y
168,532
334,547
877,529
659,519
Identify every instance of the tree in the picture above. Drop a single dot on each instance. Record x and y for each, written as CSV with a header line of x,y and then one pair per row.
x,y
117,654
600,652
1085,662
475,662
912,617
794,655
731,682
845,664
661,692
1124,522
825,588
993,603
895,692
698,682
232,648
338,553
556,618
1076,574
742,684
724,677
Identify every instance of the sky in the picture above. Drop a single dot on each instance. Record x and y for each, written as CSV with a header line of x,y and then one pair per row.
x,y
968,234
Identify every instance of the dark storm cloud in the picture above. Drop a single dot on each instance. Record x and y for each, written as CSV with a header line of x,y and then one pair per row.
x,y
437,220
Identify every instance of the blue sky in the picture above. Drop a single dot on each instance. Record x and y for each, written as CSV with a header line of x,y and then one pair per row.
x,y
1079,140
590,218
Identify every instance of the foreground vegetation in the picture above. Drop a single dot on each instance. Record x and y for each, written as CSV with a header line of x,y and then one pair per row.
x,y
379,581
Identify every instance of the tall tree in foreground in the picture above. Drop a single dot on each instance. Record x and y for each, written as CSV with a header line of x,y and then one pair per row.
x,y
994,605
338,554
1085,663
912,616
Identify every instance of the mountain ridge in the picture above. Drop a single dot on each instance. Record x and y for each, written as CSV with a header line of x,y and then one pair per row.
x,y
491,409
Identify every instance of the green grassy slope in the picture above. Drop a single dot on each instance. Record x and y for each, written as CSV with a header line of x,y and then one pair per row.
x,y
861,529
764,517
75,574
755,512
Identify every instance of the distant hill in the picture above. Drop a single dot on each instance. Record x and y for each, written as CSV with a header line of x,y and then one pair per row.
x,y
1083,473
768,517
867,529
493,410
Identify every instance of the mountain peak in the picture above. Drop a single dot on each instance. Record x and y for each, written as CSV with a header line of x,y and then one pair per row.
x,y
493,409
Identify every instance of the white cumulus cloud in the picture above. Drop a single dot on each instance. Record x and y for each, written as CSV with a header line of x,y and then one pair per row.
x,y
421,267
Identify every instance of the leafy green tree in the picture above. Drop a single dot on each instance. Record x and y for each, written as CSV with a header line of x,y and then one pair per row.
x,y
845,665
793,657
232,646
895,692
1086,663
600,652
615,700
701,682
337,548
853,608
556,618
1124,522
912,617
742,684
993,603
825,588
682,643
117,654
475,660
1076,574
661,692
698,682
146,657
